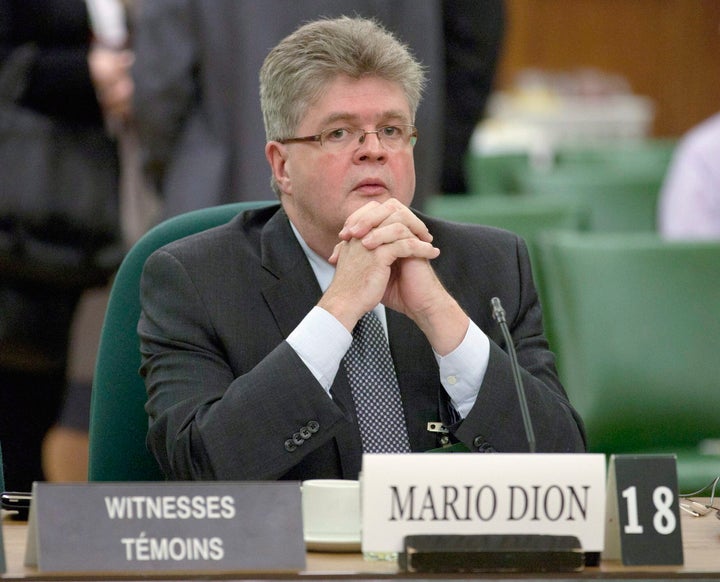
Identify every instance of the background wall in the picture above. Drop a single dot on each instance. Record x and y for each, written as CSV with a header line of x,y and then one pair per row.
x,y
668,50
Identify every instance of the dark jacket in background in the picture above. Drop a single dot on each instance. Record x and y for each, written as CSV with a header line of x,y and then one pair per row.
x,y
197,102
59,82
35,315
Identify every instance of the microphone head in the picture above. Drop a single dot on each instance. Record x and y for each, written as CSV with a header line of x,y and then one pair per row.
x,y
498,311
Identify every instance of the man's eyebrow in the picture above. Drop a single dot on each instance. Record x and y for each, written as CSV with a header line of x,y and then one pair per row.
x,y
353,119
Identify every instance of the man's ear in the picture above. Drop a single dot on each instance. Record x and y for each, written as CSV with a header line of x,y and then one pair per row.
x,y
276,154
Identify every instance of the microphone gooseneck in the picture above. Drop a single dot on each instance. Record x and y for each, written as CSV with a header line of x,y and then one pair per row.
x,y
499,316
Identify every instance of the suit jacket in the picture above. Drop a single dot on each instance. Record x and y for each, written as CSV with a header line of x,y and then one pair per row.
x,y
227,394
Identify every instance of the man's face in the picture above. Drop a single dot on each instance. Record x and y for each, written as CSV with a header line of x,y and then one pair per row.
x,y
322,187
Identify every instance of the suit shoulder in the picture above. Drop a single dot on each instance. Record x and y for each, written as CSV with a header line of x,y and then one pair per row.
x,y
469,233
242,231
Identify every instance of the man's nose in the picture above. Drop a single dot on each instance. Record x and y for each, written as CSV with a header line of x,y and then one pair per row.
x,y
371,146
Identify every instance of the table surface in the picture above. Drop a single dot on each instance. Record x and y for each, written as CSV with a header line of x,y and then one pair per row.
x,y
701,546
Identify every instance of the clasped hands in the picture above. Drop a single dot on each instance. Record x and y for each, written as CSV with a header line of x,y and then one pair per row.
x,y
384,257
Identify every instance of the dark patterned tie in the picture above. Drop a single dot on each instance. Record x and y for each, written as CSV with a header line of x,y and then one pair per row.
x,y
375,390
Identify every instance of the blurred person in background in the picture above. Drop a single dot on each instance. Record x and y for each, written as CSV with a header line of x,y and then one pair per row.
x,y
196,85
473,33
75,80
690,197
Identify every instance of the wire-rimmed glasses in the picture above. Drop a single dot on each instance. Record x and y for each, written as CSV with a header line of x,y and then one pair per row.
x,y
697,508
391,137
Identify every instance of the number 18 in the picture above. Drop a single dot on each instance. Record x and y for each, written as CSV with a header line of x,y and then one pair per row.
x,y
664,519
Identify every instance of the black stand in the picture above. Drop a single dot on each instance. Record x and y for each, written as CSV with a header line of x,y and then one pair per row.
x,y
491,553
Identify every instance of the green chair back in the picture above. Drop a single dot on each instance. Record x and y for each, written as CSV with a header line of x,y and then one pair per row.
x,y
118,422
614,199
494,173
526,215
636,325
651,154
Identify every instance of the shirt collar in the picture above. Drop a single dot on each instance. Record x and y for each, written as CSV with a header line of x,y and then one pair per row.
x,y
324,271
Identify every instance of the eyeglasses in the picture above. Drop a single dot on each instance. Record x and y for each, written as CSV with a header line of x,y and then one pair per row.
x,y
696,508
391,137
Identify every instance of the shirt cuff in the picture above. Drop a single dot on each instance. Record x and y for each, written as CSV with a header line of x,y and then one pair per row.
x,y
321,341
463,370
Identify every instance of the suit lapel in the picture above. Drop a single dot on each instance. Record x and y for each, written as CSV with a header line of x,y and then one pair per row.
x,y
291,290
290,287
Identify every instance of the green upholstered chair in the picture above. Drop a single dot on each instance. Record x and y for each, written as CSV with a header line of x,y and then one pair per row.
x,y
525,215
636,326
613,198
653,154
616,182
494,173
118,423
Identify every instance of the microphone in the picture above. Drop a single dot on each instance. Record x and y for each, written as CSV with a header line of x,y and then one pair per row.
x,y
499,316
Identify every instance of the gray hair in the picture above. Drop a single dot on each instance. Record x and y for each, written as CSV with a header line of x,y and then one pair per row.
x,y
298,69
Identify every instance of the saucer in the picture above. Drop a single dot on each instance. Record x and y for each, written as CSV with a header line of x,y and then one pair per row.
x,y
332,543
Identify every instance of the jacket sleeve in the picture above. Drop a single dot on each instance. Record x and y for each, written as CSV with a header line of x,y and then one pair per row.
x,y
495,422
208,421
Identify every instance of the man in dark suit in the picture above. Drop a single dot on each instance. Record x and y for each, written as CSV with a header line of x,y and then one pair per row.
x,y
245,327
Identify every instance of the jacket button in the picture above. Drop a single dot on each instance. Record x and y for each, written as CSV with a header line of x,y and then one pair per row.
x,y
305,433
478,441
297,439
313,426
290,446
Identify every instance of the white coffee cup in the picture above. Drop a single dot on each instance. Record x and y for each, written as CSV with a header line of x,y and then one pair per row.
x,y
331,509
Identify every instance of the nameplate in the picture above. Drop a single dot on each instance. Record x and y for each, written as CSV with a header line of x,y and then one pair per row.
x,y
550,494
189,526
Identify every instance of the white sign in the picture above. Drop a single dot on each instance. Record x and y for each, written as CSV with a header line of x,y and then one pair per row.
x,y
515,493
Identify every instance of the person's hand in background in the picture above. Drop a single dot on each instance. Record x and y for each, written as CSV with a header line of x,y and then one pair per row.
x,y
110,73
